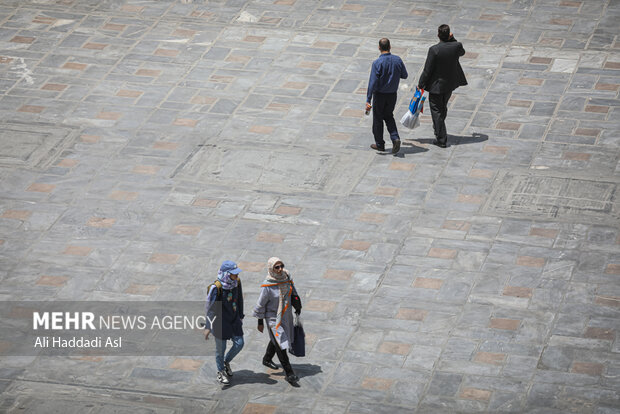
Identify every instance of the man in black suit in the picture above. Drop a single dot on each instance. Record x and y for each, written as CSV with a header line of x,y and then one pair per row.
x,y
442,74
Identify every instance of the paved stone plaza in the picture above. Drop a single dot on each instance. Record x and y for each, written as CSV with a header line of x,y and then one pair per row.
x,y
144,142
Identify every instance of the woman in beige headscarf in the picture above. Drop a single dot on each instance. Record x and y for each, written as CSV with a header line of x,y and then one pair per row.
x,y
275,302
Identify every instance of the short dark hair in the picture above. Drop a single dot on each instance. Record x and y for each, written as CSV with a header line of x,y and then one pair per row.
x,y
384,45
443,32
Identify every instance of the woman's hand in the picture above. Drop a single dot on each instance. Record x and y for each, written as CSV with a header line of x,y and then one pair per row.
x,y
207,332
260,328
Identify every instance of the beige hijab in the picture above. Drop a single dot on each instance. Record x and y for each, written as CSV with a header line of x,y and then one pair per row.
x,y
284,283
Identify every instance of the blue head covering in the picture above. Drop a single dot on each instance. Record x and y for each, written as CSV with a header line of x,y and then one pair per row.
x,y
223,275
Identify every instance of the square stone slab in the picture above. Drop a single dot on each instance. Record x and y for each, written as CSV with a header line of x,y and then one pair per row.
x,y
533,194
278,170
35,145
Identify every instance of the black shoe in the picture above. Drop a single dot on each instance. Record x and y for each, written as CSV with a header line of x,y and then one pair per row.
x,y
395,146
376,147
439,144
270,364
227,369
292,379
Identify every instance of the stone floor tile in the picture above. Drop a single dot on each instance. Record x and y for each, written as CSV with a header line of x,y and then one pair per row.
x,y
55,281
387,191
101,222
205,202
186,230
68,163
381,384
600,333
320,305
77,250
123,195
394,348
516,291
490,358
411,314
541,232
34,109
358,245
530,261
139,289
17,214
270,237
505,324
336,274
428,283
186,364
164,258
255,408
442,253
588,368
475,394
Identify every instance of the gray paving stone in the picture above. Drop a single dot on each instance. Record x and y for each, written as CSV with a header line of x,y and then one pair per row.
x,y
445,384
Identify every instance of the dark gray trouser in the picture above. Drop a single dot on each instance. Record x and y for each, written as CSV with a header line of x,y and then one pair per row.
x,y
273,348
383,110
439,110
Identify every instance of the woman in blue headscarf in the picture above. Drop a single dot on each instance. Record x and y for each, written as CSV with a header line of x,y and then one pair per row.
x,y
224,310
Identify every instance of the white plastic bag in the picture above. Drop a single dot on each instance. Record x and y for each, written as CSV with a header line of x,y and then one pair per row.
x,y
410,120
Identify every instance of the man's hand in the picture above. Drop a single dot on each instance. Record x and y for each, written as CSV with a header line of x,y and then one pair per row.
x,y
260,328
207,332
368,106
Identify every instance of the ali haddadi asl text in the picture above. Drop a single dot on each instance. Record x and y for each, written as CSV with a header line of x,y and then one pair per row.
x,y
77,342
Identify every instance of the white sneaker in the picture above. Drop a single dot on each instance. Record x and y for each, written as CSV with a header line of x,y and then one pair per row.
x,y
222,378
227,369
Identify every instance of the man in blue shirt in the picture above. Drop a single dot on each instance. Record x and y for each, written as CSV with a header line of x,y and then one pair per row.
x,y
386,73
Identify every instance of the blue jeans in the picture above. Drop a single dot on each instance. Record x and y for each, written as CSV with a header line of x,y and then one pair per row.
x,y
220,348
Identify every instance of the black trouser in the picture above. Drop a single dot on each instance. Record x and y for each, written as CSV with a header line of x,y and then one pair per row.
x,y
383,110
439,110
272,349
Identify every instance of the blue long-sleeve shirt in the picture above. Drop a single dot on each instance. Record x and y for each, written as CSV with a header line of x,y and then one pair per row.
x,y
385,74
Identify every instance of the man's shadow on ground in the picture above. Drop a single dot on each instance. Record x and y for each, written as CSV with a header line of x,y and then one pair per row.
x,y
409,147
475,138
405,148
246,376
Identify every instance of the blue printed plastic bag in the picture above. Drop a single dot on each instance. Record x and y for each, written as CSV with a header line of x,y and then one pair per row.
x,y
411,119
413,104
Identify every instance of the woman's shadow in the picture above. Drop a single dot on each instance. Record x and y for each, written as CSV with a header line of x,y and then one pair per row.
x,y
245,376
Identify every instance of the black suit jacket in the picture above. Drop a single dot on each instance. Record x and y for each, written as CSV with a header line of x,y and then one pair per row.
x,y
442,70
